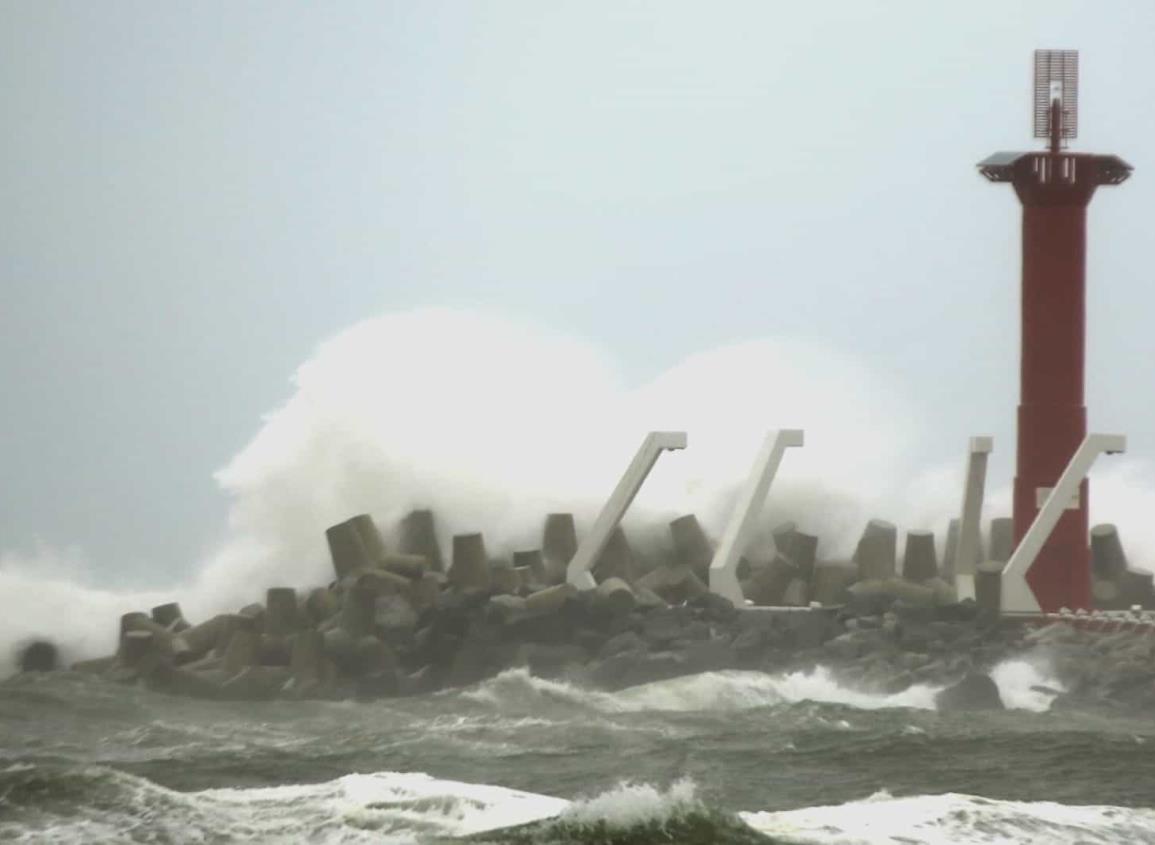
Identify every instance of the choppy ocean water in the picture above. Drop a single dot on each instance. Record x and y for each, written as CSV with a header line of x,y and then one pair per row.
x,y
718,757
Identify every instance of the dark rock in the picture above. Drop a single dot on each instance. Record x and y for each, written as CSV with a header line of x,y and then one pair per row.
x,y
39,656
551,661
632,668
976,691
692,548
673,584
624,642
714,608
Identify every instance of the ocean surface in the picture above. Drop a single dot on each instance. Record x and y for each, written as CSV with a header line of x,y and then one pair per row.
x,y
718,757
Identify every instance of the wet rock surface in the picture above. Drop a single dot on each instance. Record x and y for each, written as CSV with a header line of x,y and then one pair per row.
x,y
408,623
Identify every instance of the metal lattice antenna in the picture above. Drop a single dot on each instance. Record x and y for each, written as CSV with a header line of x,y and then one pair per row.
x,y
1056,81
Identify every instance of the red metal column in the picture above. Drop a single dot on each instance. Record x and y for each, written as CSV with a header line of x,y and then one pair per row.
x,y
1052,419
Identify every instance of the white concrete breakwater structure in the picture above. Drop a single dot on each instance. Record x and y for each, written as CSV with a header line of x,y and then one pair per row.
x,y
596,608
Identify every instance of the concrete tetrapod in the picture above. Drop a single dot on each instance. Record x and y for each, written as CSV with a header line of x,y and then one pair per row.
x,y
419,537
919,562
283,614
558,545
470,567
876,551
692,547
371,539
347,549
617,558
1002,543
1108,561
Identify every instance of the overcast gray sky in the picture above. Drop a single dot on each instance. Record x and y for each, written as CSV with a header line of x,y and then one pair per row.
x,y
194,195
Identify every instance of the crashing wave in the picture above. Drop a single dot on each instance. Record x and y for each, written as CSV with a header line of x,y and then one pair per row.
x,y
84,804
954,819
1022,685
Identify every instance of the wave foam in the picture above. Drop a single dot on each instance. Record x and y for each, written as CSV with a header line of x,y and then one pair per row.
x,y
953,819
707,691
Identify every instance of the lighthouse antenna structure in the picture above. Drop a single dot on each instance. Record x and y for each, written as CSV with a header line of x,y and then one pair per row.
x,y
1055,187
1057,96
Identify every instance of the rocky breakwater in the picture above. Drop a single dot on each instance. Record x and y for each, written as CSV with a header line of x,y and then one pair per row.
x,y
403,622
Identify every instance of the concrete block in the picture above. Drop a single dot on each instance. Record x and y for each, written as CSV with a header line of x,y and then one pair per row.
x,y
876,551
796,593
767,584
533,561
379,582
425,592
321,605
1135,587
615,597
358,611
617,558
394,615
1108,561
988,588
692,547
371,539
283,613
169,616
550,599
470,567
672,584
409,566
1002,543
831,582
241,652
347,549
558,545
419,537
503,578
907,591
919,561
255,613
950,549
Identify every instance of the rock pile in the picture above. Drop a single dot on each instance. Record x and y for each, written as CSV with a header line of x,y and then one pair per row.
x,y
408,622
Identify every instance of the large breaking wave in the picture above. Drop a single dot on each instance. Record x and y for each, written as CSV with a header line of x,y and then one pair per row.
x,y
94,803
493,423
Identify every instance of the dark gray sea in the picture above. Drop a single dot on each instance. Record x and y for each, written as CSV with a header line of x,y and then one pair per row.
x,y
718,757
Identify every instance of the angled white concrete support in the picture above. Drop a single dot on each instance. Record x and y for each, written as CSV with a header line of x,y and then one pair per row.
x,y
724,566
1017,596
578,571
970,520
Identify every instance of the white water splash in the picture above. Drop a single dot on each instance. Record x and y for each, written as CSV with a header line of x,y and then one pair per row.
x,y
1026,685
953,819
633,804
704,692
493,423
396,808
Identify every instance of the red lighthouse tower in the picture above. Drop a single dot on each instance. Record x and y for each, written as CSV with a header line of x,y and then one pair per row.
x,y
1054,186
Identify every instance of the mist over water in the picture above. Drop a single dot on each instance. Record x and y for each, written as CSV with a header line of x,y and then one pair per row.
x,y
493,423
